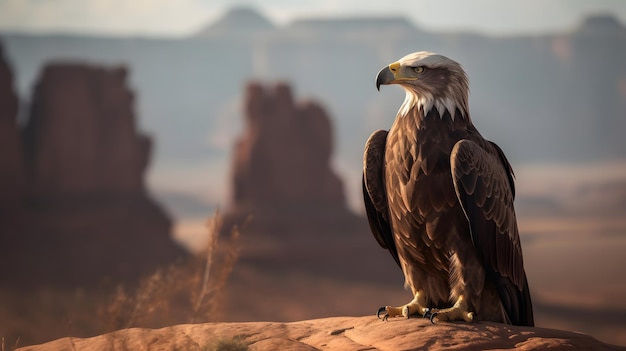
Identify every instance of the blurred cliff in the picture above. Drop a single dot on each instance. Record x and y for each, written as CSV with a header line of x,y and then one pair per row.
x,y
74,209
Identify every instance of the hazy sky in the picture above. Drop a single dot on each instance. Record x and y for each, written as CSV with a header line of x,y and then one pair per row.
x,y
182,17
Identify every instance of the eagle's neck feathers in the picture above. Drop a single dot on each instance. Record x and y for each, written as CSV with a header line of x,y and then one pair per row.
x,y
425,102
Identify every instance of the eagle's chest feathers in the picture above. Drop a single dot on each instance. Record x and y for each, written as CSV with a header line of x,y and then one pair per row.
x,y
418,171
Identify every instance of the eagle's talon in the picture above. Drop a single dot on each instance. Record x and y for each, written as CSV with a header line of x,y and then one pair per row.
x,y
432,317
382,309
427,313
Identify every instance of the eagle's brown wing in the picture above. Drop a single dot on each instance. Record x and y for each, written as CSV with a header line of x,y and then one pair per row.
x,y
483,182
374,194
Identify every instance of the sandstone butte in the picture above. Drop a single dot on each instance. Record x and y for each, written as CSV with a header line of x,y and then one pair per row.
x,y
336,333
70,177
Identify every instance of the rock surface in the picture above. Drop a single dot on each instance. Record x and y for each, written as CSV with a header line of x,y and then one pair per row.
x,y
78,211
337,333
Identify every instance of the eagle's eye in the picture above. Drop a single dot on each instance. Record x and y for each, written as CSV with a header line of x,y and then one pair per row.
x,y
419,69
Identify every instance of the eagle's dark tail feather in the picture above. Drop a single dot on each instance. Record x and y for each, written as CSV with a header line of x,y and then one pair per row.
x,y
526,307
516,303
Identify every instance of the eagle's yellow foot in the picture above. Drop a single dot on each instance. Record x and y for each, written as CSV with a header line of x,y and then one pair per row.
x,y
458,312
415,307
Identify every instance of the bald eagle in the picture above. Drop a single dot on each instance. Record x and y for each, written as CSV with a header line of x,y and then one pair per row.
x,y
439,197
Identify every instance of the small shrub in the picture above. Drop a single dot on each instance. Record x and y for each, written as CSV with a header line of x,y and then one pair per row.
x,y
185,293
227,344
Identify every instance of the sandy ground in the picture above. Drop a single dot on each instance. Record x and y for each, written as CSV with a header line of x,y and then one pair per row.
x,y
336,333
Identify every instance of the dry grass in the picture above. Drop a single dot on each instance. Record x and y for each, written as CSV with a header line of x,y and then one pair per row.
x,y
226,344
189,292
4,347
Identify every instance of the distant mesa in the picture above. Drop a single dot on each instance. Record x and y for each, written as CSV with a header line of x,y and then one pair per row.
x,y
249,21
79,211
243,20
601,23
246,21
354,24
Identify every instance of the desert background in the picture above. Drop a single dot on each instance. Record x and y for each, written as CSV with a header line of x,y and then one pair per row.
x,y
124,127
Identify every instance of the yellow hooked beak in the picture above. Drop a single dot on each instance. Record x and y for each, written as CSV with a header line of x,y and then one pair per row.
x,y
392,74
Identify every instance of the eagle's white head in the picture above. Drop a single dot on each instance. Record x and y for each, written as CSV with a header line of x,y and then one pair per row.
x,y
430,80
